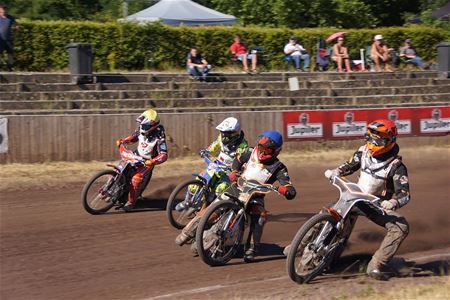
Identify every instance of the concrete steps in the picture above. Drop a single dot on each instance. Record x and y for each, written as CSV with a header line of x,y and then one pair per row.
x,y
45,93
207,109
229,77
213,104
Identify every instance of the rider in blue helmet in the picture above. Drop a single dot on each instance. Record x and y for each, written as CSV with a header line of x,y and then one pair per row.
x,y
262,165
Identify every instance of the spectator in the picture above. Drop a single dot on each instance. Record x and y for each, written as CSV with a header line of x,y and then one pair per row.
x,y
380,53
6,36
340,55
197,66
239,50
410,54
295,52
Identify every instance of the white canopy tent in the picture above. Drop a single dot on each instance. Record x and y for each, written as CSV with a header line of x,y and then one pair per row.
x,y
181,12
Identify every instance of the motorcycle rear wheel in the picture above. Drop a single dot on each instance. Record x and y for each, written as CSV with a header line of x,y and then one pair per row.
x,y
298,256
217,250
180,219
94,195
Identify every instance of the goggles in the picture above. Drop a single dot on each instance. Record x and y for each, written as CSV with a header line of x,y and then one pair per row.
x,y
377,140
229,134
265,150
147,126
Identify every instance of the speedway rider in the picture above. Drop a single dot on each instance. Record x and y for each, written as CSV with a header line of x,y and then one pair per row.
x,y
262,165
384,175
152,148
230,142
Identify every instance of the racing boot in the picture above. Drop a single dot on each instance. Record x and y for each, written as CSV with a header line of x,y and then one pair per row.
x,y
188,232
249,255
378,275
194,249
374,271
255,234
286,250
128,207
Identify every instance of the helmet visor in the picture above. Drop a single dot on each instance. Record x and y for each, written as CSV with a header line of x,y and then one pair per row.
x,y
265,151
147,126
229,136
377,140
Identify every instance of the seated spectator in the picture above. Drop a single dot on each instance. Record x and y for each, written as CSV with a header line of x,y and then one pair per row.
x,y
340,55
380,53
239,50
197,66
296,53
410,54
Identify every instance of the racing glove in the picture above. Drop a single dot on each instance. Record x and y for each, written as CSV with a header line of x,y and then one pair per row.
x,y
232,176
389,204
149,163
288,191
203,152
119,142
332,173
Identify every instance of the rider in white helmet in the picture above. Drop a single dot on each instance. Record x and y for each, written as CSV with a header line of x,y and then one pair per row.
x,y
230,142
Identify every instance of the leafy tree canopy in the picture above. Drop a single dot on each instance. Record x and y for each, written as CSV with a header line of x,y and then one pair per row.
x,y
274,13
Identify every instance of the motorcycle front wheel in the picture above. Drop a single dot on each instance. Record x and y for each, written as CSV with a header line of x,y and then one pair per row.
x,y
220,232
191,191
312,248
95,196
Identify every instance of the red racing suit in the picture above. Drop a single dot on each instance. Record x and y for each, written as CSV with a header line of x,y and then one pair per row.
x,y
153,149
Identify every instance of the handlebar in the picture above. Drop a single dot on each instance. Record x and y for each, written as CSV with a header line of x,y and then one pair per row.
x,y
205,155
128,155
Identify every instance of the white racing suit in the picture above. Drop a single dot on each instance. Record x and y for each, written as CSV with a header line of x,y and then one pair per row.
x,y
386,177
264,173
251,169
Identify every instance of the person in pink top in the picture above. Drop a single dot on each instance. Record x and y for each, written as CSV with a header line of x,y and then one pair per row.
x,y
240,51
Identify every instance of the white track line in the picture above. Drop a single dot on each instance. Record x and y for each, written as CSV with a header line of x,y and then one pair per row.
x,y
429,256
221,286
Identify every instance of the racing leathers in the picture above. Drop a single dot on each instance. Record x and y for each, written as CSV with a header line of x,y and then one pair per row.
x,y
226,153
386,177
153,149
264,173
251,169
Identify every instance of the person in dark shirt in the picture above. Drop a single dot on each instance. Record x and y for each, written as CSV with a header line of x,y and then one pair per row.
x,y
197,66
7,23
409,53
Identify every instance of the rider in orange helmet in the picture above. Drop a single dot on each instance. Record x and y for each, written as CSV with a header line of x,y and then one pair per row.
x,y
384,175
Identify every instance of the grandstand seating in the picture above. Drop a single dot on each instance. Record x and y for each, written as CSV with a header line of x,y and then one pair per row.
x,y
52,93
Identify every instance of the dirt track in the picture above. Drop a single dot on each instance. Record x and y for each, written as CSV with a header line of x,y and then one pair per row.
x,y
52,249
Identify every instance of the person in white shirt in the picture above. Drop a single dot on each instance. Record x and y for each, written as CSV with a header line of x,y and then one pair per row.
x,y
296,53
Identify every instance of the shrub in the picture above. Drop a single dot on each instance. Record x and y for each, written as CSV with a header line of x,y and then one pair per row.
x,y
40,46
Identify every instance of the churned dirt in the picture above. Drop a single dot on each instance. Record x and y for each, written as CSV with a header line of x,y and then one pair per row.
x,y
52,249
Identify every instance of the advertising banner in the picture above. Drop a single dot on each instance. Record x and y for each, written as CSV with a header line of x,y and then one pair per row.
x,y
352,123
434,120
305,125
3,135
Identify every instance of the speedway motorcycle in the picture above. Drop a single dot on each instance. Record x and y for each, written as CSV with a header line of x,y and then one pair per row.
x,y
109,188
322,239
222,226
194,194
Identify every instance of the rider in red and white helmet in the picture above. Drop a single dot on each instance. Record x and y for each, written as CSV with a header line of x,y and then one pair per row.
x,y
261,164
152,147
384,175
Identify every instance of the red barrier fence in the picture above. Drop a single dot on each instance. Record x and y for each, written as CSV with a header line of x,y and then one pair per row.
x,y
352,123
